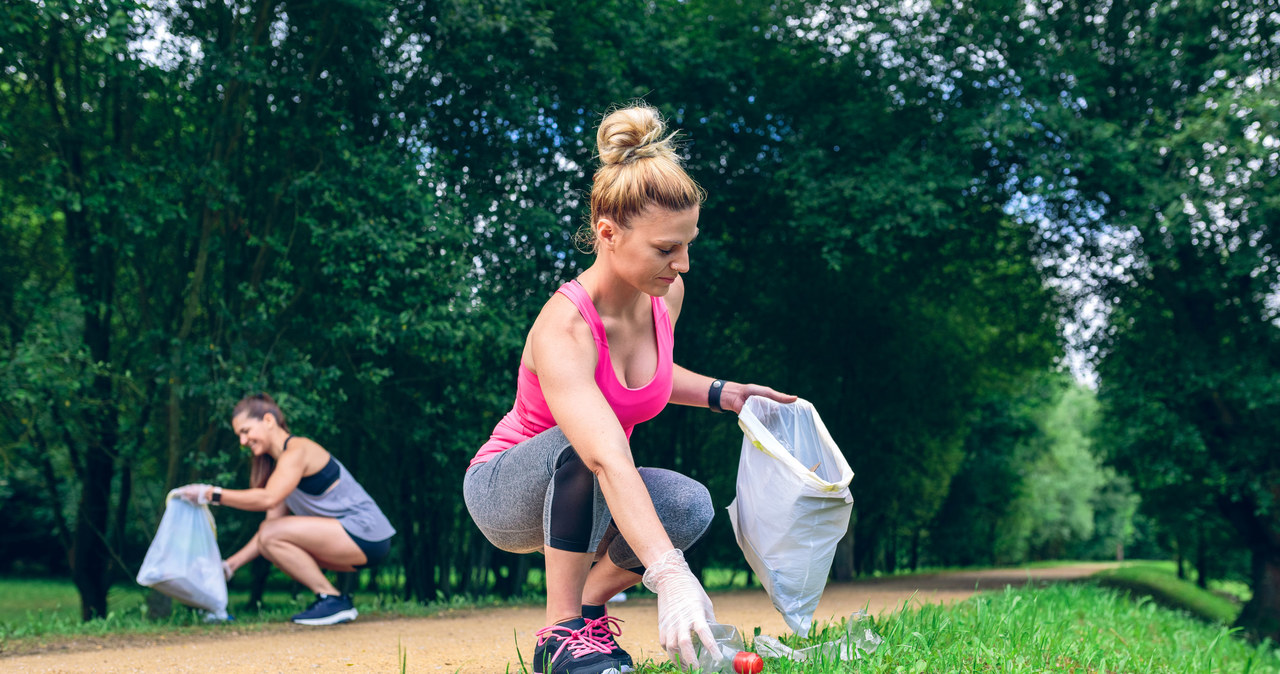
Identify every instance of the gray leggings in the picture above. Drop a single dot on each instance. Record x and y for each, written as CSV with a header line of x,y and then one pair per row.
x,y
513,500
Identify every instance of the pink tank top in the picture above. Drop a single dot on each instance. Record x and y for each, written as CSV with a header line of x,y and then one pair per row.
x,y
530,415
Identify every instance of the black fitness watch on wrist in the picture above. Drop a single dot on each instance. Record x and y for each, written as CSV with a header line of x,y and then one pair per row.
x,y
216,499
713,395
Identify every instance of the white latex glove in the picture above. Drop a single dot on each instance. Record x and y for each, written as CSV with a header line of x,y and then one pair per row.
x,y
684,609
227,571
194,493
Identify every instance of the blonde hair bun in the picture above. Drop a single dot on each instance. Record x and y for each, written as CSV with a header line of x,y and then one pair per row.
x,y
637,132
623,185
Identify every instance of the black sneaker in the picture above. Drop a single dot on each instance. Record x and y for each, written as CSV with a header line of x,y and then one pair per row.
x,y
328,609
575,647
606,628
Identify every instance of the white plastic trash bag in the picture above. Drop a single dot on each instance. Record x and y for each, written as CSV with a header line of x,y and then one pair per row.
x,y
793,504
183,561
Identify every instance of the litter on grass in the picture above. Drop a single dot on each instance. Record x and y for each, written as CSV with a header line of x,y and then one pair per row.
x,y
858,639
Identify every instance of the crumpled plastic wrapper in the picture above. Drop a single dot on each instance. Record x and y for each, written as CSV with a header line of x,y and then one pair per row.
x,y
858,639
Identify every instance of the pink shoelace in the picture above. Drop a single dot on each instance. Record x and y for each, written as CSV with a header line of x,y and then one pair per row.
x,y
604,629
596,636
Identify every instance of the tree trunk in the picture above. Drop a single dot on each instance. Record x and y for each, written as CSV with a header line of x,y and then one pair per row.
x,y
476,581
51,482
91,556
915,550
991,541
122,514
1178,559
891,554
1202,559
864,549
94,269
1261,616
90,559
347,582
519,575
422,563
259,569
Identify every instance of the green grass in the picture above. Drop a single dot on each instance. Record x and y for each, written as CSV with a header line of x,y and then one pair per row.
x,y
54,605
1159,581
1069,628
1072,628
1137,618
51,597
38,610
44,608
1061,628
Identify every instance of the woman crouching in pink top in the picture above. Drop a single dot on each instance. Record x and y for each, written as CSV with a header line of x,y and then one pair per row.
x,y
558,476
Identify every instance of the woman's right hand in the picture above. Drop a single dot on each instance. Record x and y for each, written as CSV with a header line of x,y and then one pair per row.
x,y
196,494
684,609
227,571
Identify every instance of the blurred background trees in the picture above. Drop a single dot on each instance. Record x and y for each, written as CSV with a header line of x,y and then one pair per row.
x,y
922,218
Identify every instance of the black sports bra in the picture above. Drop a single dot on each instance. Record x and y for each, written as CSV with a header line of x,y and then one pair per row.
x,y
316,483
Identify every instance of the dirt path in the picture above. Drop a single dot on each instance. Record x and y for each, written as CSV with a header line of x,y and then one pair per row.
x,y
485,640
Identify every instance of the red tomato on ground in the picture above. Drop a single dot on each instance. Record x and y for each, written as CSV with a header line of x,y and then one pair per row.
x,y
746,662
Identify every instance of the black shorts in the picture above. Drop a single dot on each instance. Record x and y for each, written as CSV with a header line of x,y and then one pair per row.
x,y
375,552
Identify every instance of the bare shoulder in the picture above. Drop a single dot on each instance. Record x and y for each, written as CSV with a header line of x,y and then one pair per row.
x,y
557,332
307,453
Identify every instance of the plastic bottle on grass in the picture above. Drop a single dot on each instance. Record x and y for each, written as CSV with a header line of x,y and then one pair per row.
x,y
861,636
717,660
859,640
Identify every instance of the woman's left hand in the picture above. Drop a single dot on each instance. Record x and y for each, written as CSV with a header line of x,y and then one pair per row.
x,y
735,396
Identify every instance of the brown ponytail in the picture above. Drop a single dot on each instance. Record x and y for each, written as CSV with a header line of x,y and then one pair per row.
x,y
258,406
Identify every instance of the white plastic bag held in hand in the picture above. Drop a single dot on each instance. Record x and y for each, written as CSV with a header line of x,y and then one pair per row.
x,y
183,561
793,504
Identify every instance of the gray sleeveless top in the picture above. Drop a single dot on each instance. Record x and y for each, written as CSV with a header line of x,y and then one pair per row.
x,y
346,502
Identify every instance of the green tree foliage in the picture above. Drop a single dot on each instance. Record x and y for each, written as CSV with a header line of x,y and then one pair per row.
x,y
78,148
242,210
891,187
979,522
360,206
1031,485
1148,136
1115,508
1065,477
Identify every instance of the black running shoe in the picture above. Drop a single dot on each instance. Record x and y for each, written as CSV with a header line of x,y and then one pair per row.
x,y
607,629
575,647
328,609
